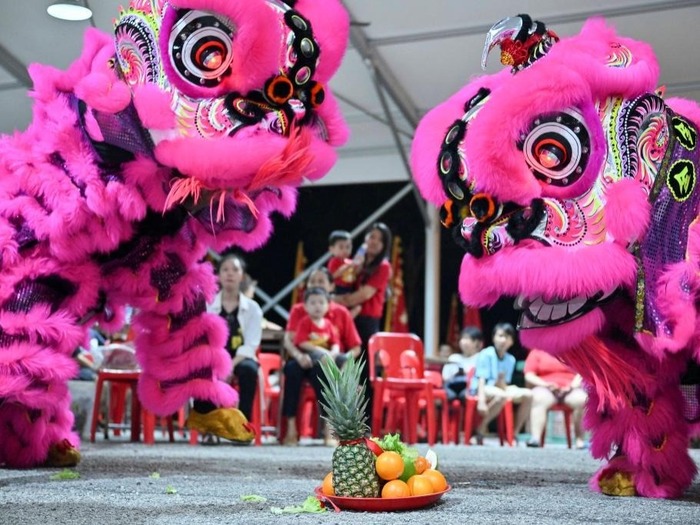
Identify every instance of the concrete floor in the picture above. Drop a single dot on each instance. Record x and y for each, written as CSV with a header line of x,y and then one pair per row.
x,y
490,485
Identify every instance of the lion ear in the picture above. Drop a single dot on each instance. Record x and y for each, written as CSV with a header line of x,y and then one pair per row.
x,y
331,26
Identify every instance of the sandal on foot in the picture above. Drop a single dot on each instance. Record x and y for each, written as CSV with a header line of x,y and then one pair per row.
x,y
228,423
63,454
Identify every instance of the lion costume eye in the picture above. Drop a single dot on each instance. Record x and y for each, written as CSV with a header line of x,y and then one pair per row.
x,y
557,148
201,47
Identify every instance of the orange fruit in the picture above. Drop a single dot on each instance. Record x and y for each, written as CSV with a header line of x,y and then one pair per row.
x,y
436,478
421,464
395,489
327,487
389,465
420,485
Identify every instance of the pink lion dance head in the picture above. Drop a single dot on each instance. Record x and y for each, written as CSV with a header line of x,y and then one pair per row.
x,y
545,173
571,184
231,96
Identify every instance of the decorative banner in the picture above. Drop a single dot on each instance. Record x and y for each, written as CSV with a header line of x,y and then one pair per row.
x,y
471,316
299,265
396,318
453,329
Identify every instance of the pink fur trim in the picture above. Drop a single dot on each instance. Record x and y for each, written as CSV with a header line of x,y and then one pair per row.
x,y
528,270
209,160
330,24
588,53
690,109
627,211
104,93
25,442
166,402
47,79
153,107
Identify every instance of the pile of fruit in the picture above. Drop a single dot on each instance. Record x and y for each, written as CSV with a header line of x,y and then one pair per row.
x,y
401,471
369,468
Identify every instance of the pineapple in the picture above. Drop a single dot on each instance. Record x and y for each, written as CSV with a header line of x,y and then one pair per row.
x,y
344,401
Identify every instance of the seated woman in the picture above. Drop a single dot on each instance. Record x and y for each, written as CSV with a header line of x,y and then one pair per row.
x,y
552,382
306,365
494,375
244,319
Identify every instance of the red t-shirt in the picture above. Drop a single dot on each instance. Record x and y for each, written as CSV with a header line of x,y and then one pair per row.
x,y
345,279
374,306
324,336
549,368
338,315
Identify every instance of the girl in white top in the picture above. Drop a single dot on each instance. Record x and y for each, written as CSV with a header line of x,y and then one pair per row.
x,y
244,319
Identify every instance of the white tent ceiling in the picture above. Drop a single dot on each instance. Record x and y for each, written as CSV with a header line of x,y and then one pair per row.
x,y
421,51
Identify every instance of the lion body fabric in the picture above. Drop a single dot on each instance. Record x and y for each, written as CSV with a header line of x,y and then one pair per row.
x,y
183,132
572,186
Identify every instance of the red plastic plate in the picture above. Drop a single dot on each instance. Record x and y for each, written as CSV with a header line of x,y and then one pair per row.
x,y
382,504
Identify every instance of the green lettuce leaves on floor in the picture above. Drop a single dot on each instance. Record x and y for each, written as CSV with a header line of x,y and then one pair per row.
x,y
311,505
65,474
254,498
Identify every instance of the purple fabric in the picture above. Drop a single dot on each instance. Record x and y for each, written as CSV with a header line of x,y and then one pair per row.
x,y
190,311
691,396
666,242
163,278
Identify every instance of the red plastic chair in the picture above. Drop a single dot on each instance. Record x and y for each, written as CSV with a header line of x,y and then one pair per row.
x,y
410,364
455,413
567,422
119,368
400,385
308,415
440,395
504,421
149,425
471,417
270,401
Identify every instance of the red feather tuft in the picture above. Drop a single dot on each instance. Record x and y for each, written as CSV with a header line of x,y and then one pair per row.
x,y
610,375
180,190
289,166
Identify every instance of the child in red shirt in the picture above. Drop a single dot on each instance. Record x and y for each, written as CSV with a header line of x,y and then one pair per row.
x,y
344,270
315,334
340,265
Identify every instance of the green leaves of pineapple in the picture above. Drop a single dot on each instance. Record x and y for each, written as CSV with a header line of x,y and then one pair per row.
x,y
343,393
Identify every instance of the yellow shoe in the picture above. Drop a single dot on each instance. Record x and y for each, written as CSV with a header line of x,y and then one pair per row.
x,y
618,484
63,454
228,423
